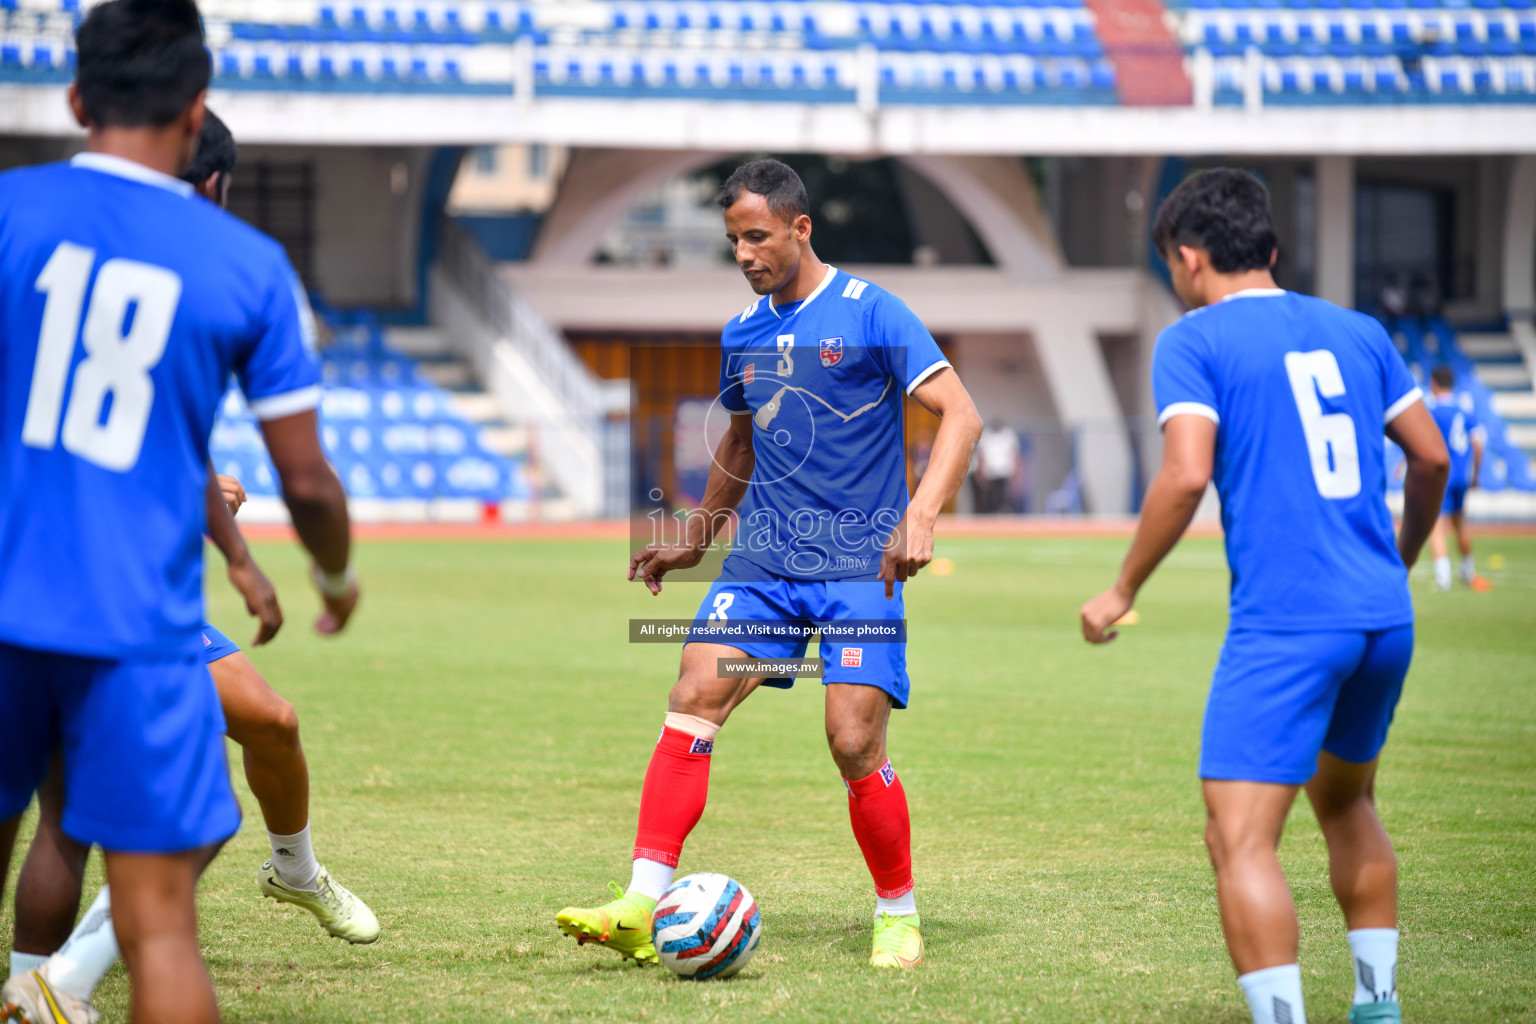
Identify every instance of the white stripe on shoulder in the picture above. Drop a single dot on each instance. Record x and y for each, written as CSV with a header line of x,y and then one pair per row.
x,y
1400,406
275,407
927,372
1189,409
855,288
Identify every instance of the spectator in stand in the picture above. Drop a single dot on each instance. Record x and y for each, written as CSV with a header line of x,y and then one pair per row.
x,y
1426,299
1393,301
997,456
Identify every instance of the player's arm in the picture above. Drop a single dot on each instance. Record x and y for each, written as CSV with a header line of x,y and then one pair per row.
x,y
1429,465
318,504
911,546
1189,452
244,574
1477,455
723,491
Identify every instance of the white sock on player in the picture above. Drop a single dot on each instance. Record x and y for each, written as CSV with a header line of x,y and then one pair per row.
x,y
293,858
901,906
21,963
651,877
1375,953
1443,572
89,952
1274,995
1468,569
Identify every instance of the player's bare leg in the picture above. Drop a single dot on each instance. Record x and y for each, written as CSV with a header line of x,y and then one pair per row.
x,y
1362,867
267,729
1469,574
1438,551
856,721
155,916
671,802
1244,821
48,887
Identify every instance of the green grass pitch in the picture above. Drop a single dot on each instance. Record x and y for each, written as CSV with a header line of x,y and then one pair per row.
x,y
478,739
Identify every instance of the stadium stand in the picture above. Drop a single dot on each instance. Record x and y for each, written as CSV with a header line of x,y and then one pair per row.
x,y
399,440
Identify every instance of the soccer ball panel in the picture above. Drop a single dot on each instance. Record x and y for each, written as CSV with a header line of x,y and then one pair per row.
x,y
706,926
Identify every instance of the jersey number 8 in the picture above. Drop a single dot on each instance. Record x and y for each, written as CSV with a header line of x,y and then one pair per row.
x,y
117,360
1331,440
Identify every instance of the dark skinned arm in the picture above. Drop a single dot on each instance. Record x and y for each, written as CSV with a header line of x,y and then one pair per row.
x,y
1189,453
318,504
244,574
723,491
1429,466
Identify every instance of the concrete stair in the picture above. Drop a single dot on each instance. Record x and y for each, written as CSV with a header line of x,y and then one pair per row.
x,y
436,360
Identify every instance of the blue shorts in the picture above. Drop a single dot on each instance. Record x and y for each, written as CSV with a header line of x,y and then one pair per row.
x,y
143,748
1279,698
1455,498
216,645
746,592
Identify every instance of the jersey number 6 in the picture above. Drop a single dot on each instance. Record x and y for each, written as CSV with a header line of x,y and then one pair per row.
x,y
117,360
1331,440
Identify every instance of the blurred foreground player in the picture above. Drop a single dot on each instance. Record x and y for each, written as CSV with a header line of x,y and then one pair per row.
x,y
1464,438
812,376
125,304
1280,397
257,717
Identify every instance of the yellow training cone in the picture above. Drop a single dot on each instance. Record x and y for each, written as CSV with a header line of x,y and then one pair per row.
x,y
942,566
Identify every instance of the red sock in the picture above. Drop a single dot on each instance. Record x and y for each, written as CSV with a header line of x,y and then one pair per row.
x,y
676,786
878,807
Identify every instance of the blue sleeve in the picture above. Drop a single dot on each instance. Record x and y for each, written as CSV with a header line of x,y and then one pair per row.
x,y
900,342
732,399
1182,382
279,372
1399,389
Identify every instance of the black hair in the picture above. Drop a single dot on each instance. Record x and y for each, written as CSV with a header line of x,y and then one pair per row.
x,y
215,152
1444,376
772,179
140,61
1224,211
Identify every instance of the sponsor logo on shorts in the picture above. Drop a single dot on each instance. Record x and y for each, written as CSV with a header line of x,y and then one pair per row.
x,y
702,746
853,657
206,641
887,774
749,374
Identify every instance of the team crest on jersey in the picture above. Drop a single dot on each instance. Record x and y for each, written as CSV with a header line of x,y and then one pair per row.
x,y
831,351
887,774
853,657
749,374
702,746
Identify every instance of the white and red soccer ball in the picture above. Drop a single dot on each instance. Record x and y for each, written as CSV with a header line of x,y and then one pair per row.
x,y
706,926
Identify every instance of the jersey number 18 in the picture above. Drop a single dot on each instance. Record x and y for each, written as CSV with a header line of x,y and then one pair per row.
x,y
118,355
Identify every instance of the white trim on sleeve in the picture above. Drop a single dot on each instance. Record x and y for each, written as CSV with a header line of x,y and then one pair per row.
x,y
1400,406
927,372
1189,409
275,407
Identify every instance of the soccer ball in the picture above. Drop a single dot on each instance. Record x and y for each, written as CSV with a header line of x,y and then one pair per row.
x,y
706,926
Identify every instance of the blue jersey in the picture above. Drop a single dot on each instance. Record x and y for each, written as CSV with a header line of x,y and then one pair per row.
x,y
823,380
1457,422
125,303
1300,391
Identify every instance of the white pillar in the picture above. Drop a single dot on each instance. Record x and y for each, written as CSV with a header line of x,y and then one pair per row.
x,y
1520,239
1085,400
1336,229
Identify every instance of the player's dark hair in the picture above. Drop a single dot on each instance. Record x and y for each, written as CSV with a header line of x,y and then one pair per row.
x,y
215,153
1224,211
140,61
1443,376
772,179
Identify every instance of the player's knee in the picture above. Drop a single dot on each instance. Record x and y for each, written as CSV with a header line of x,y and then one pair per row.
x,y
697,692
1233,839
856,750
275,725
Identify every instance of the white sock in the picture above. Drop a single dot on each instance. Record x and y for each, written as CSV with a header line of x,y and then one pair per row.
x,y
901,906
1468,569
89,952
21,963
294,860
1375,953
1443,571
651,877
1274,995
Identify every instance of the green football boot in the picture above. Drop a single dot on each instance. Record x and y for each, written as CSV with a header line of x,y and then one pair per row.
x,y
1376,1013
623,925
898,941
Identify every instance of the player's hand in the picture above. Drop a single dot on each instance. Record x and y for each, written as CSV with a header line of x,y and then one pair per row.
x,y
907,549
1104,611
338,606
234,493
260,598
655,560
